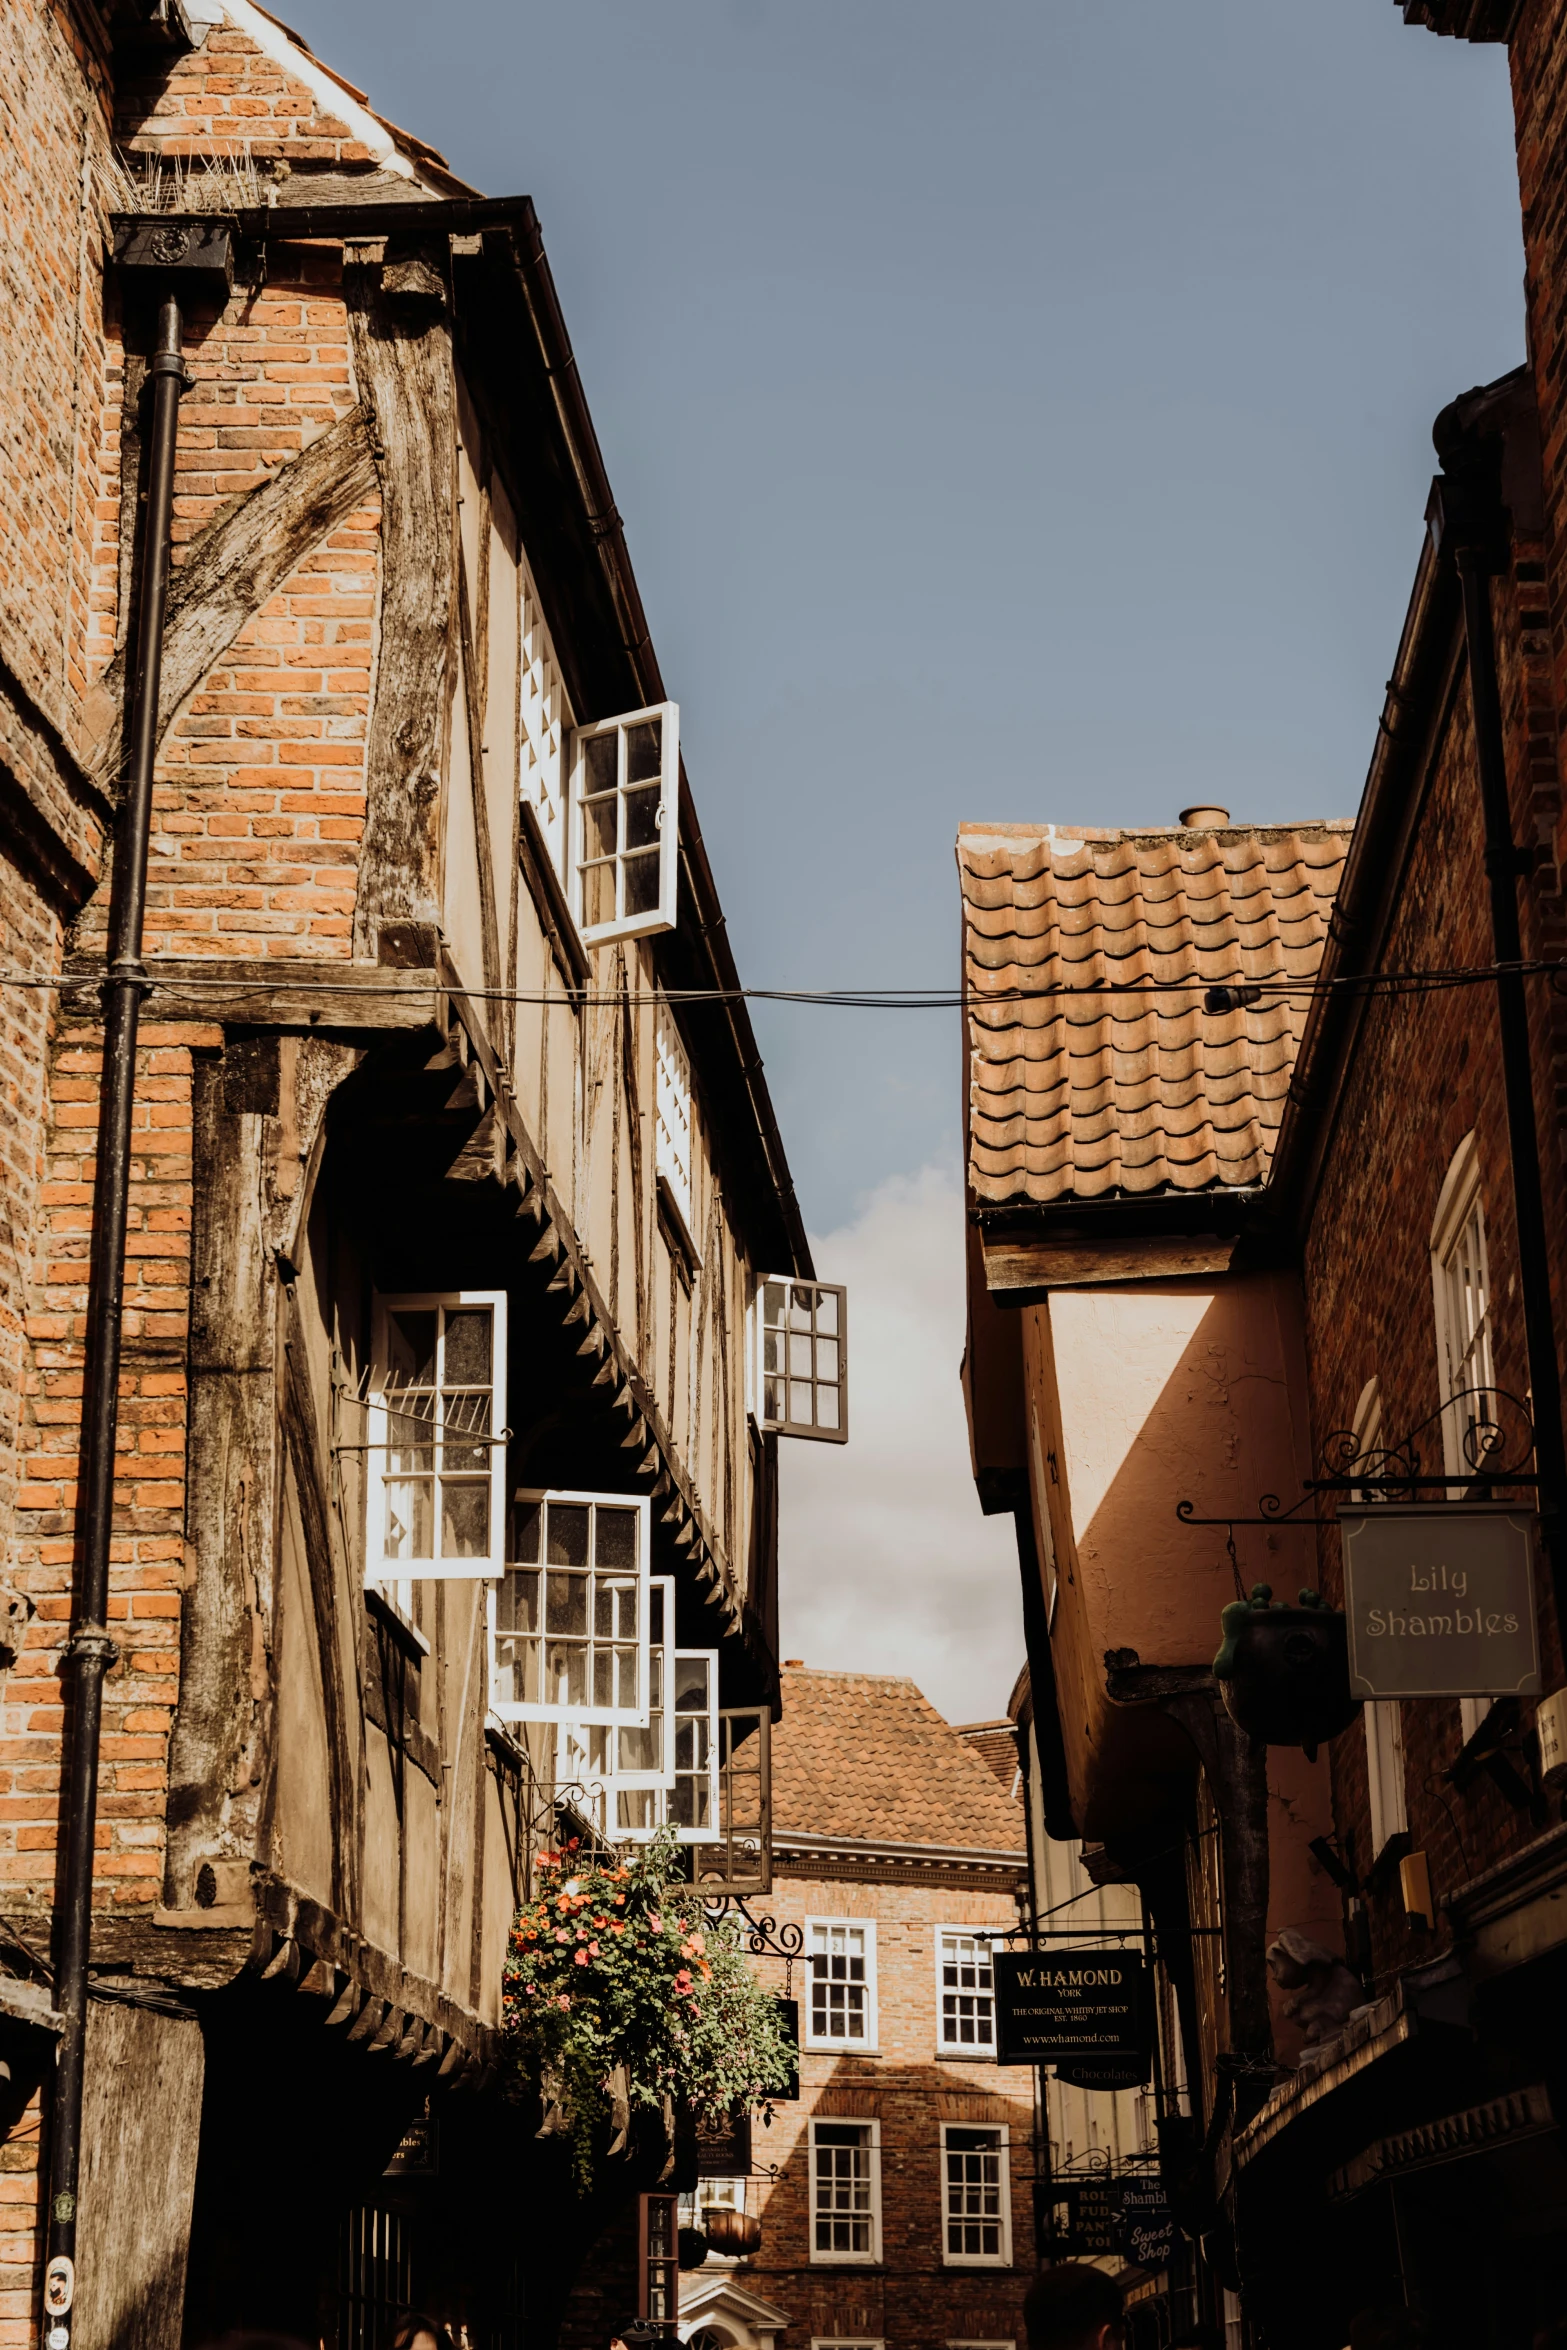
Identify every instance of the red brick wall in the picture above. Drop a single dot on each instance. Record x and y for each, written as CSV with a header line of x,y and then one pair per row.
x,y
910,2298
1427,1071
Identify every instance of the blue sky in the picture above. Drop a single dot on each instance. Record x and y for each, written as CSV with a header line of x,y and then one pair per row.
x,y
1019,409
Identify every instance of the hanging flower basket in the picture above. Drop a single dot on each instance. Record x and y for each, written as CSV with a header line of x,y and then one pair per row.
x,y
611,1968
1284,1671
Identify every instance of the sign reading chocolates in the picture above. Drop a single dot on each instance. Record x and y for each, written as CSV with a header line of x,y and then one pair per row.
x,y
1070,2006
1440,1600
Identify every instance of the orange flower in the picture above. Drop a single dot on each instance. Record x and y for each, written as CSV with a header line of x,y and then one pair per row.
x,y
581,1957
683,1980
593,1950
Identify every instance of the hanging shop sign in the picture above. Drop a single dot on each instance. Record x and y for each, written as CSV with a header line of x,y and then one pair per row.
x,y
1096,2219
1108,2072
1440,1600
1070,2007
1147,2224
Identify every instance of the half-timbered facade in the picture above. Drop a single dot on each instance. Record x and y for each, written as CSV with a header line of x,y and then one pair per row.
x,y
466,1290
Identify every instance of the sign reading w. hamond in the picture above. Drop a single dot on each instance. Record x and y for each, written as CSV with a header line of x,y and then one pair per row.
x,y
1063,2005
1440,1601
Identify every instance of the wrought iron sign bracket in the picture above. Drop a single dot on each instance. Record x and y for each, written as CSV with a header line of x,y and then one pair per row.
x,y
1385,1471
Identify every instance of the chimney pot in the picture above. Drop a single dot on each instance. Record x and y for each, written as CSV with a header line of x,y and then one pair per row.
x,y
1204,818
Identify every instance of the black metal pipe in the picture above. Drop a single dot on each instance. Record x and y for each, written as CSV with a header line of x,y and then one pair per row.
x,y
92,1651
1504,866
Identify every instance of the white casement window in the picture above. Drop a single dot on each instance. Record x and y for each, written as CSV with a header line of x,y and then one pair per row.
x,y
624,824
569,1616
687,1800
437,1450
1461,1285
841,1953
545,720
845,2191
1460,1278
1383,1716
672,1127
801,1340
965,1993
976,2196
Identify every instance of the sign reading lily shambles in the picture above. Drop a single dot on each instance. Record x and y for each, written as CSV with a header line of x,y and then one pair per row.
x,y
1440,1601
1070,2007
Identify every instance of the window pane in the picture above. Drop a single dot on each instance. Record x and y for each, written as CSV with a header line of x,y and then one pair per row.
x,y
827,1407
800,1307
827,1360
642,826
528,1527
598,895
827,1312
568,1535
691,1684
601,762
567,1603
566,1672
467,1347
800,1401
644,750
772,1302
410,1518
642,883
800,1358
465,1520
603,1676
615,1537
468,1415
517,1603
410,1348
408,1436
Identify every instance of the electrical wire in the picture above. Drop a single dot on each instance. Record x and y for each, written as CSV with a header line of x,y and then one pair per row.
x,y
1221,997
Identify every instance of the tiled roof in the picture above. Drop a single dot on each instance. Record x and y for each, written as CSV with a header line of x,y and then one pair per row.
x,y
996,1745
866,1756
1078,1095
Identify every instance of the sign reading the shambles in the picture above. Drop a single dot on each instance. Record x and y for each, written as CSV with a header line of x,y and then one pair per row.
x,y
1147,2224
1067,2006
1440,1601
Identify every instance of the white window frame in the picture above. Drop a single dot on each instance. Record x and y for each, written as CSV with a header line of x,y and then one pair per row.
x,y
770,1384
869,2046
546,719
661,915
379,1569
970,2053
664,1790
1458,1249
1003,2149
1464,1359
511,1709
1386,1790
848,2121
673,1125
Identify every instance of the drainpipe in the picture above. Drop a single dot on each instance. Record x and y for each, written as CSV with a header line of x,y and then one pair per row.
x,y
92,1651
1469,522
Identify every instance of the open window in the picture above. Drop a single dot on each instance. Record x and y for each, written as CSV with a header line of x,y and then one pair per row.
x,y
687,1799
437,1449
801,1340
624,824
672,1138
569,1614
740,1861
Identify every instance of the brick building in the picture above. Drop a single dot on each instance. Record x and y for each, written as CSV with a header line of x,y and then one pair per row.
x,y
419,1142
1275,1233
896,2197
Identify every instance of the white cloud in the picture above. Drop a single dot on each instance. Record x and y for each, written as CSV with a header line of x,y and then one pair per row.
x,y
886,1564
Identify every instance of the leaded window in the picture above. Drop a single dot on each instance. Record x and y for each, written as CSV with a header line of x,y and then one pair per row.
x,y
569,1617
802,1358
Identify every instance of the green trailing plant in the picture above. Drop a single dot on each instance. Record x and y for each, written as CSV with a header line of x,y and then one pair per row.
x,y
611,1969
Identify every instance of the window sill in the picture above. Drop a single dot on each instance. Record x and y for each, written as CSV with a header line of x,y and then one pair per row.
x,y
965,2056
846,2260
839,2048
978,2266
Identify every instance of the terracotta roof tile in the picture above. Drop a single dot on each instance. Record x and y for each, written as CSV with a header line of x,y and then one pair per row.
x,y
1077,1095
996,1745
867,1756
